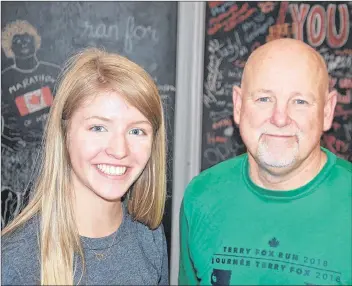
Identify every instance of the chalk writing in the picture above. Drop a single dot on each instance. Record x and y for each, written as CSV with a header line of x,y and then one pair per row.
x,y
215,76
235,73
222,123
216,115
348,130
339,111
334,144
279,31
212,139
136,33
221,152
332,82
230,18
336,62
229,131
166,88
344,52
111,32
321,24
216,10
258,29
345,99
229,49
101,31
28,81
345,82
266,7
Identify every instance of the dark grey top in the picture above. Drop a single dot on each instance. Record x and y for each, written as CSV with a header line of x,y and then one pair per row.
x,y
137,256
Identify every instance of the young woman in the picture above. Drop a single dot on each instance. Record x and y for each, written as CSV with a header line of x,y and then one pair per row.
x,y
95,216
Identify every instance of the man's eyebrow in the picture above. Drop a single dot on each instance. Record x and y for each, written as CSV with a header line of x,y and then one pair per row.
x,y
261,91
297,93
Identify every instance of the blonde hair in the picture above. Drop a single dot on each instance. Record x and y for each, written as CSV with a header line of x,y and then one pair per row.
x,y
87,73
18,27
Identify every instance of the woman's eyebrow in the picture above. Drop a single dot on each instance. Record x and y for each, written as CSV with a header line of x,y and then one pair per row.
x,y
98,117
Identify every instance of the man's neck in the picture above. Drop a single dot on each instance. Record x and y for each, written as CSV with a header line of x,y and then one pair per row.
x,y
26,63
292,179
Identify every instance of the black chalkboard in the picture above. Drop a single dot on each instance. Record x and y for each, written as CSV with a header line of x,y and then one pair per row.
x,y
145,32
234,29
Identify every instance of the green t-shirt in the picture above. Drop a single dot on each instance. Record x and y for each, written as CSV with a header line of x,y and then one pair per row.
x,y
234,232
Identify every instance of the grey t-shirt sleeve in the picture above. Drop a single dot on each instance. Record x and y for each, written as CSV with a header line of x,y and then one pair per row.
x,y
19,257
164,279
9,272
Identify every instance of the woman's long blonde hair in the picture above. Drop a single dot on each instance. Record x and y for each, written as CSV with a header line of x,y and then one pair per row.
x,y
86,74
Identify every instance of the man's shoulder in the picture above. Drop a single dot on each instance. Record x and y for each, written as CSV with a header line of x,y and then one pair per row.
x,y
339,173
342,174
343,166
214,178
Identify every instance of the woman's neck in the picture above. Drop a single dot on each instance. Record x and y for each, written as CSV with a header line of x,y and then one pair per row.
x,y
96,217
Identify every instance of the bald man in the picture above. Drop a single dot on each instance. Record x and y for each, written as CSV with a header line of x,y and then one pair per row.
x,y
281,213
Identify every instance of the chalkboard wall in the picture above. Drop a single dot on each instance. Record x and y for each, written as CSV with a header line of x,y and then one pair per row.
x,y
145,32
234,29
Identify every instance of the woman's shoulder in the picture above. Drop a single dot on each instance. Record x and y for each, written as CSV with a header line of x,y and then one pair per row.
x,y
146,234
25,234
151,243
20,253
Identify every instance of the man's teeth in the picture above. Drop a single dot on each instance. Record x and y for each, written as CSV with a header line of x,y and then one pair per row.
x,y
112,170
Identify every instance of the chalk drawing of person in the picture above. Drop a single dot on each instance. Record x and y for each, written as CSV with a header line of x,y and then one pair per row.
x,y
27,91
9,138
27,85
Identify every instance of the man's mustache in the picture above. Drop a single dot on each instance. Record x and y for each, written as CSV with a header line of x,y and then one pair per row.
x,y
282,133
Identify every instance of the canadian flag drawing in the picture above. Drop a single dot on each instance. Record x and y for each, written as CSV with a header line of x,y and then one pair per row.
x,y
34,100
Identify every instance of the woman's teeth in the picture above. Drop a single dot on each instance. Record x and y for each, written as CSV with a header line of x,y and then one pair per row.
x,y
112,170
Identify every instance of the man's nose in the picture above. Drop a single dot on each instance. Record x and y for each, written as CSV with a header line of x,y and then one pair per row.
x,y
280,116
117,147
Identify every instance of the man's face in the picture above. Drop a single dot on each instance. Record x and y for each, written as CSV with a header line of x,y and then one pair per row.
x,y
23,45
282,112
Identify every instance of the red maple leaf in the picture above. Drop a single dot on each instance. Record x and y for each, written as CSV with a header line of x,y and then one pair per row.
x,y
35,99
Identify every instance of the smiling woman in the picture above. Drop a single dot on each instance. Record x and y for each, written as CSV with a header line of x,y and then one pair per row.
x,y
100,195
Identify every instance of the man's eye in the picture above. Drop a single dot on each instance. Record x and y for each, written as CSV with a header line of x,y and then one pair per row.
x,y
300,101
137,131
263,99
98,128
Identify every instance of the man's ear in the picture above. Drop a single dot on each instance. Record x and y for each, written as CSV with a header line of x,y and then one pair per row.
x,y
237,103
329,109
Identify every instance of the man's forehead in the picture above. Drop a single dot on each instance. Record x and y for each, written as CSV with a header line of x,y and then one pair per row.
x,y
285,58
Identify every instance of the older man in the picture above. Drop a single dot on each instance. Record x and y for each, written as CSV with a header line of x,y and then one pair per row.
x,y
281,213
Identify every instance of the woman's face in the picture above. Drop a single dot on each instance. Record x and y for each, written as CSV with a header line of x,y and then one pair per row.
x,y
109,143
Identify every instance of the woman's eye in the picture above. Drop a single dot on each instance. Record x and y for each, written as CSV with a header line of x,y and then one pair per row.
x,y
98,128
137,131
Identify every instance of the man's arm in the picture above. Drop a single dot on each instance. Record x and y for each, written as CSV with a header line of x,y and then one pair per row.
x,y
187,273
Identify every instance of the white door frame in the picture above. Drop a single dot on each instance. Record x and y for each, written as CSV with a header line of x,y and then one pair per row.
x,y
188,112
